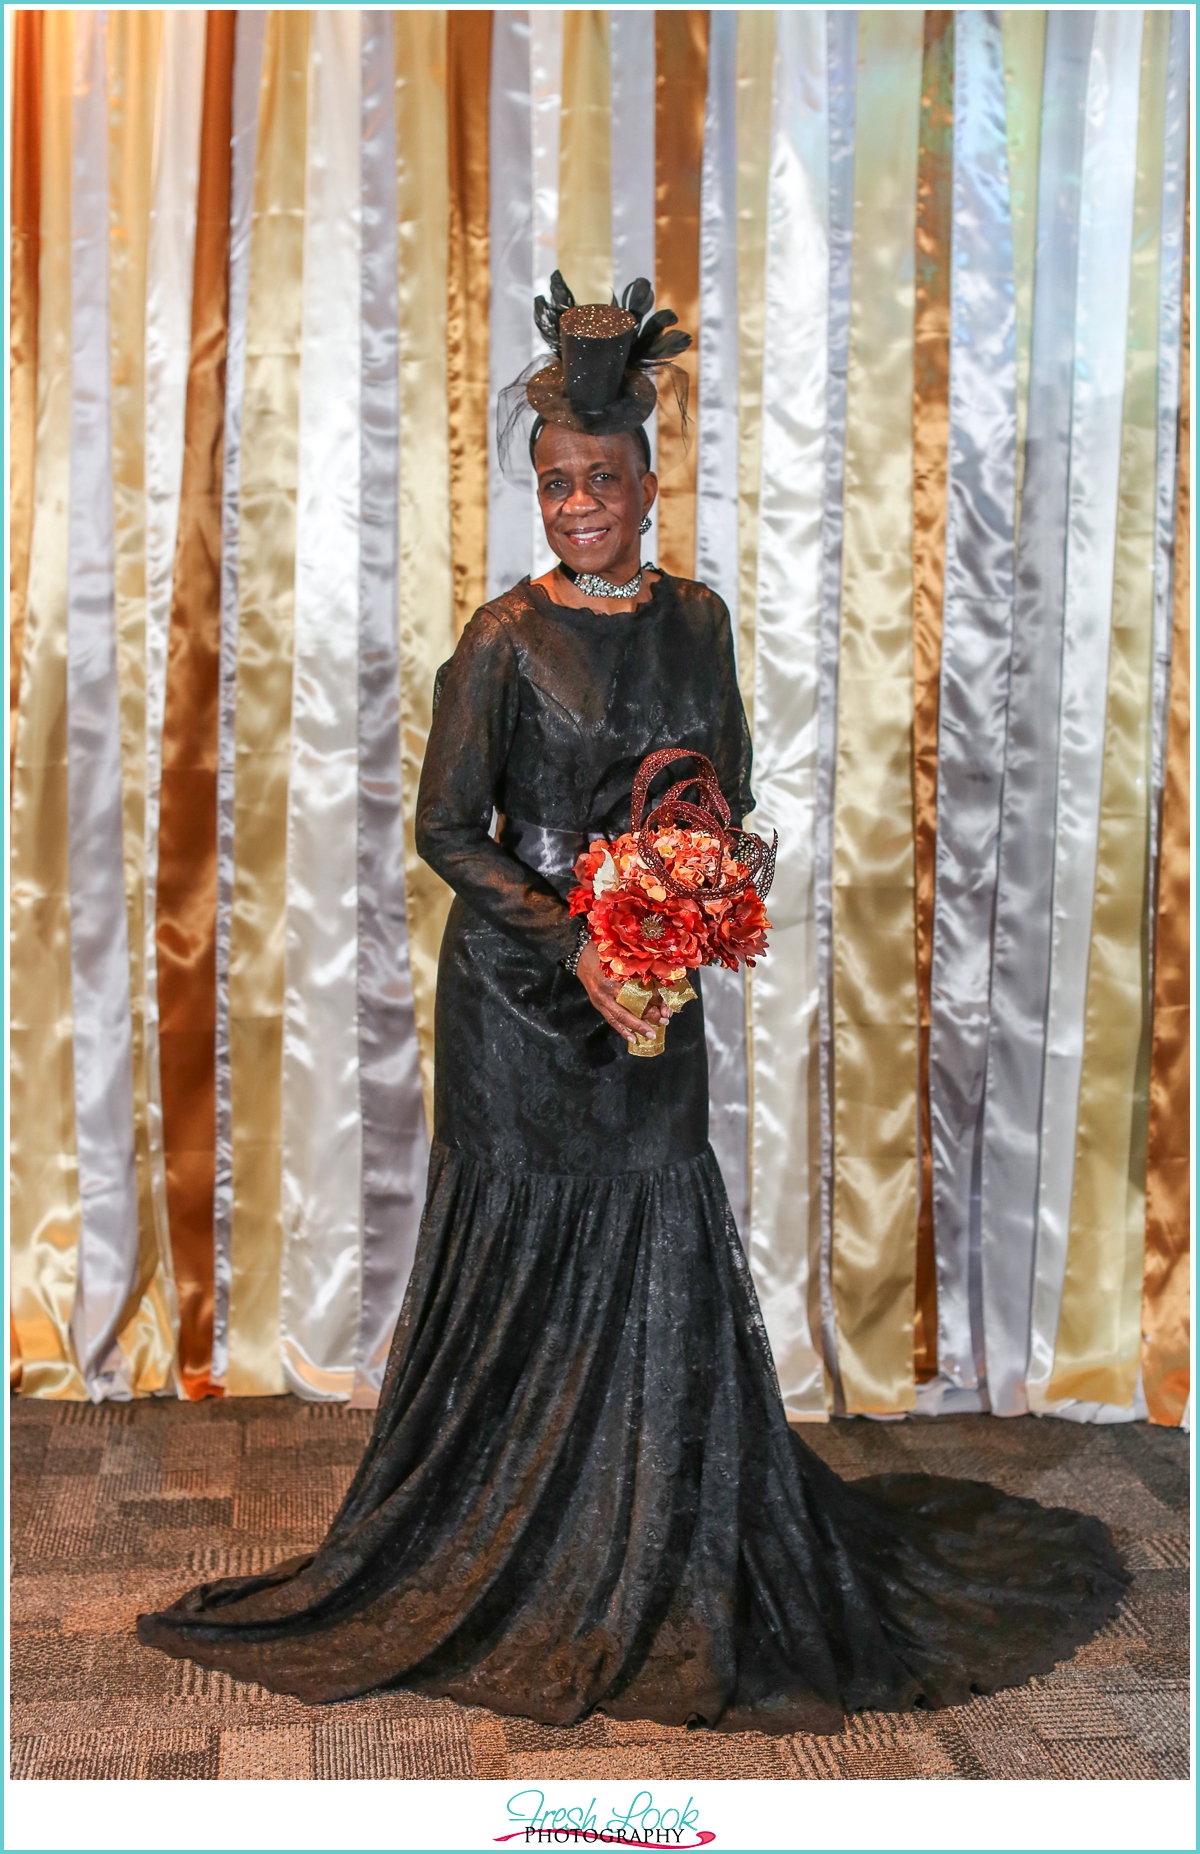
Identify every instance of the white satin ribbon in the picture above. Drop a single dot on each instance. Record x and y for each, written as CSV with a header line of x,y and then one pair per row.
x,y
1102,301
545,84
632,117
976,647
841,85
395,1144
247,70
716,509
321,1264
103,1056
1021,939
169,260
511,335
785,1116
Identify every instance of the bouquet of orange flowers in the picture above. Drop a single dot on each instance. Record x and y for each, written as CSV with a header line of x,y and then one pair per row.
x,y
677,891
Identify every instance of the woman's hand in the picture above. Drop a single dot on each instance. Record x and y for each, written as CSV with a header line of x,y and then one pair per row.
x,y
603,994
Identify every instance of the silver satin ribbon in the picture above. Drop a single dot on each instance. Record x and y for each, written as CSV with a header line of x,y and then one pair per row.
x,y
976,644
511,336
395,1144
1102,304
103,1057
320,1273
785,1122
842,54
251,28
1169,334
1020,978
631,59
716,527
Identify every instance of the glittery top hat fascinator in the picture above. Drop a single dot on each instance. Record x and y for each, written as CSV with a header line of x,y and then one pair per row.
x,y
609,365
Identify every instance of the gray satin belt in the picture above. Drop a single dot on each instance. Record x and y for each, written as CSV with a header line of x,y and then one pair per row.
x,y
551,852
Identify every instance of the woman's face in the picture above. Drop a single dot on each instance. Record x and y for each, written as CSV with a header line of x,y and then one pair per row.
x,y
593,494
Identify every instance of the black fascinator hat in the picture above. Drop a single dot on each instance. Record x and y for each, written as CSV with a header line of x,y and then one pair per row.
x,y
609,365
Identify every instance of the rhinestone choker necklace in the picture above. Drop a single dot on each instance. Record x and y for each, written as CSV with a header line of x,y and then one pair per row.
x,y
594,586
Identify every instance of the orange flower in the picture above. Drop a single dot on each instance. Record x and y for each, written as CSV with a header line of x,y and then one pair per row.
x,y
738,929
640,938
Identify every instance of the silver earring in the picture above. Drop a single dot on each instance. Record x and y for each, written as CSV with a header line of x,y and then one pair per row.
x,y
644,528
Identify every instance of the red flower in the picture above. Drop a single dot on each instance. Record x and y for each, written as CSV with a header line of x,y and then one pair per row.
x,y
589,860
739,930
640,938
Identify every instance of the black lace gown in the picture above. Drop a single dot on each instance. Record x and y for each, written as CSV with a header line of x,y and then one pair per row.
x,y
581,1490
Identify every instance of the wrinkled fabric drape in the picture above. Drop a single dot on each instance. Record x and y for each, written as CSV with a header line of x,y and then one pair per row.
x,y
426,584
1023,33
511,334
43,1165
1021,938
320,1274
874,978
632,79
187,833
717,546
1105,231
585,254
681,84
25,197
842,40
1166,1318
1098,1338
755,68
975,655
785,1191
266,585
395,1145
931,402
247,72
468,80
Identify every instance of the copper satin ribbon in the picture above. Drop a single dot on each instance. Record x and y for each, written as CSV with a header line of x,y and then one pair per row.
x,y
468,64
874,977
25,184
266,583
427,631
187,844
1166,1319
931,421
585,158
44,1208
681,85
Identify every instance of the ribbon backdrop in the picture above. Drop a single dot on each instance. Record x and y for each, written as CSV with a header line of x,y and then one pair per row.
x,y
269,271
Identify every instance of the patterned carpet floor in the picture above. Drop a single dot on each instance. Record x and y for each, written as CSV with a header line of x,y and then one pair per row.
x,y
117,1508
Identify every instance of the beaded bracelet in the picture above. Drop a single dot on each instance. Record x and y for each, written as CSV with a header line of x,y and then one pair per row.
x,y
571,962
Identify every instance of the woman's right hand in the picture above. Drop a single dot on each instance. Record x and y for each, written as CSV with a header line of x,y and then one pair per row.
x,y
603,994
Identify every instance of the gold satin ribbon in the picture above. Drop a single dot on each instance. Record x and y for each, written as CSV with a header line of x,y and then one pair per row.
x,y
25,200
1166,1318
44,1170
187,839
1098,1340
1023,34
266,584
874,978
681,88
755,64
468,67
134,50
426,591
585,158
931,431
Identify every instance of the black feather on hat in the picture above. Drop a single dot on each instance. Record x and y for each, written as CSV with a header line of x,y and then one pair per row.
x,y
602,379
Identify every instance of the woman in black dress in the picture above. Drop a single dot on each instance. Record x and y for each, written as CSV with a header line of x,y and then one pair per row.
x,y
582,1491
